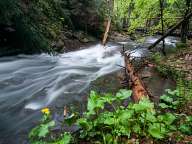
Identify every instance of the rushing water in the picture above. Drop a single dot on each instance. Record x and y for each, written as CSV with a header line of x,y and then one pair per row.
x,y
29,83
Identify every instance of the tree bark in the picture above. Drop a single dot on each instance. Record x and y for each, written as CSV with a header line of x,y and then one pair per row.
x,y
170,31
185,24
106,31
137,86
108,25
162,25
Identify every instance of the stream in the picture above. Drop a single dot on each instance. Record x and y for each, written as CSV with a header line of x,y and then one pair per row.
x,y
31,82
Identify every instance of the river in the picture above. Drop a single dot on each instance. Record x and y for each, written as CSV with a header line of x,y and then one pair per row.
x,y
31,82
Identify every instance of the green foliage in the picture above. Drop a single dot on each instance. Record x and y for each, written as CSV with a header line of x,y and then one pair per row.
x,y
65,139
107,121
41,134
186,127
42,130
171,100
9,9
34,21
157,57
140,119
145,13
174,100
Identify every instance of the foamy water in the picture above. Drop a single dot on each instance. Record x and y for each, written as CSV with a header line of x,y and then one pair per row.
x,y
29,83
54,76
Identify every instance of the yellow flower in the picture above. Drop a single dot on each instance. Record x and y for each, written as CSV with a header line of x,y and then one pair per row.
x,y
45,111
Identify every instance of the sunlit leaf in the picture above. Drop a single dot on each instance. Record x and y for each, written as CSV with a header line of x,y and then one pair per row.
x,y
157,130
123,94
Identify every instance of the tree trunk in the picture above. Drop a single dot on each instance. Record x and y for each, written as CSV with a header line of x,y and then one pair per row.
x,y
106,32
162,25
108,25
130,9
185,24
170,31
137,86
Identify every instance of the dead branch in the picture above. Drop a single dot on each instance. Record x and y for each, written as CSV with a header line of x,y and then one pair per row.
x,y
106,31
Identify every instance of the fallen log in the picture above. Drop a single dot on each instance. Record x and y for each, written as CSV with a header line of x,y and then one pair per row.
x,y
137,86
170,31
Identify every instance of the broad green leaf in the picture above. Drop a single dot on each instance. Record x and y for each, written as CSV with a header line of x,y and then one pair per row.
x,y
122,130
94,103
106,118
157,130
108,138
66,138
108,98
123,94
166,98
189,118
34,132
174,92
186,129
151,117
163,105
125,115
144,105
109,121
83,123
44,129
167,118
175,103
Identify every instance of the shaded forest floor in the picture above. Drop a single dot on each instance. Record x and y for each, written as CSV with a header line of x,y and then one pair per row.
x,y
181,61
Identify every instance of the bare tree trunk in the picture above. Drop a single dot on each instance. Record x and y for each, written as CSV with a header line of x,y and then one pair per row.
x,y
110,12
185,24
162,25
106,31
129,11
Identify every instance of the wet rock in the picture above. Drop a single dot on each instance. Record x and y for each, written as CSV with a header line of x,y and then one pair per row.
x,y
107,84
72,44
83,37
68,34
59,44
118,37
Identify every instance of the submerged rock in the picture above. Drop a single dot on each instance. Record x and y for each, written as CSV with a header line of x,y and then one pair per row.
x,y
107,84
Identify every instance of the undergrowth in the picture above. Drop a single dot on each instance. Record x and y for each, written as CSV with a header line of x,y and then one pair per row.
x,y
107,121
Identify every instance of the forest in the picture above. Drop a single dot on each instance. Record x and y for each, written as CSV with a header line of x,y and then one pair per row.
x,y
95,72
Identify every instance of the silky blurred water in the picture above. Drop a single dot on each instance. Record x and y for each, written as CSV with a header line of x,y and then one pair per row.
x,y
31,82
